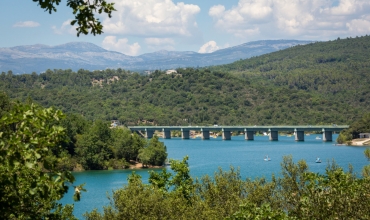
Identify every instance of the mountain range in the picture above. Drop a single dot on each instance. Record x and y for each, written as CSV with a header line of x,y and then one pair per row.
x,y
82,55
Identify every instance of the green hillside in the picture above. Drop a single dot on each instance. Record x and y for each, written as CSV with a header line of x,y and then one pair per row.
x,y
338,69
319,83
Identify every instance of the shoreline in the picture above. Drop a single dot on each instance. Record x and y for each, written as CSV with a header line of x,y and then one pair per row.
x,y
133,166
138,166
360,142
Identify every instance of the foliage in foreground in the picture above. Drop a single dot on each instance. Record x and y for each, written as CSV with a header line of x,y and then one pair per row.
x,y
85,13
94,145
34,158
297,194
31,184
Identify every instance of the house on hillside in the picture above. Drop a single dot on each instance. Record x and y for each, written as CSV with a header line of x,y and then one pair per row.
x,y
171,71
364,135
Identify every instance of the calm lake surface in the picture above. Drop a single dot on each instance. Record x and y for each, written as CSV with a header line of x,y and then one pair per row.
x,y
205,156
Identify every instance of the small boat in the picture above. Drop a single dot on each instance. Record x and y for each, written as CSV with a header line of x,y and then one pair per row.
x,y
267,158
318,160
318,138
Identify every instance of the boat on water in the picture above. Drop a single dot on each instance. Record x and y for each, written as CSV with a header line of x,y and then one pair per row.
x,y
267,158
318,138
318,160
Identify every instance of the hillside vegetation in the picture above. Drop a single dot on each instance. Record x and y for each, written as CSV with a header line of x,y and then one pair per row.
x,y
337,70
319,83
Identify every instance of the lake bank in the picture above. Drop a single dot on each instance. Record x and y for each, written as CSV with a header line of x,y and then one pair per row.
x,y
360,142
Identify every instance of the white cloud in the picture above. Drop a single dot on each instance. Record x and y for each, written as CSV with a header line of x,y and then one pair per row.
x,y
209,47
160,43
245,12
121,45
216,11
65,28
256,19
152,18
350,7
359,26
26,24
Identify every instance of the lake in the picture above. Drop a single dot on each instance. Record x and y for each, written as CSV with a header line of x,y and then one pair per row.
x,y
205,156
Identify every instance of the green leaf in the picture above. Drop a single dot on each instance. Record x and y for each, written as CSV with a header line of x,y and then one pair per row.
x,y
30,165
33,191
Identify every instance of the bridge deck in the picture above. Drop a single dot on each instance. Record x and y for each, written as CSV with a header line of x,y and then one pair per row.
x,y
242,128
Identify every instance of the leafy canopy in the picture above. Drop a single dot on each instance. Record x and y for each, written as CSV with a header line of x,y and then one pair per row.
x,y
31,184
84,11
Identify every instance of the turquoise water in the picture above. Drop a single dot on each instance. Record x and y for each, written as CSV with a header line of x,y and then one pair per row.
x,y
205,156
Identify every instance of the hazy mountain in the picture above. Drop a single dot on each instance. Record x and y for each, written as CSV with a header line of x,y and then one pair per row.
x,y
81,55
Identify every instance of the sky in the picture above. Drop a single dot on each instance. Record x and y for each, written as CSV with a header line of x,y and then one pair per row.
x,y
144,26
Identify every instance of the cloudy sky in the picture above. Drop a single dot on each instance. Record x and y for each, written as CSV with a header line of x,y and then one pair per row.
x,y
142,26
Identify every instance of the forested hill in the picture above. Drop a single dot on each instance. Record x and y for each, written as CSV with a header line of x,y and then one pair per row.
x,y
338,69
312,84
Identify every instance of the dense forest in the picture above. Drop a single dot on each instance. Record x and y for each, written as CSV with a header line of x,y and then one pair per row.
x,y
336,70
86,144
318,83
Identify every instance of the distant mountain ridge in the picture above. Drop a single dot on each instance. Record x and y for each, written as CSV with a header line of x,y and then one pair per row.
x,y
83,55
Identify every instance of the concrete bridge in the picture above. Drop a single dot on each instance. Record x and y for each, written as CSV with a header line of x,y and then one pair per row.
x,y
249,131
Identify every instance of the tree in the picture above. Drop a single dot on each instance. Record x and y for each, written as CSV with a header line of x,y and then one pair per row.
x,y
336,194
5,104
74,125
95,146
126,144
84,11
154,154
366,169
31,185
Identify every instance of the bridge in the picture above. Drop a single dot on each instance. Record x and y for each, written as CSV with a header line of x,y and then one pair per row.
x,y
249,131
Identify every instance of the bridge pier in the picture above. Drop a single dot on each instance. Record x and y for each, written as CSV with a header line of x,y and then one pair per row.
x,y
205,135
185,134
166,134
226,135
149,133
249,135
299,135
273,136
327,135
